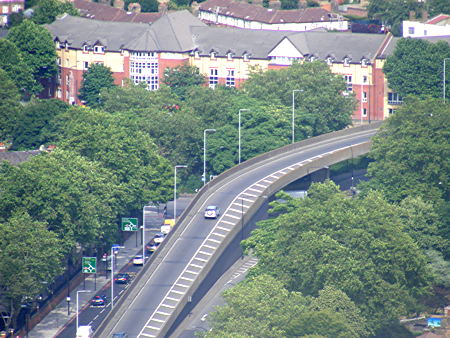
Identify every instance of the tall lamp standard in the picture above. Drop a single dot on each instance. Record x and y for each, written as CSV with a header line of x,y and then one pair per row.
x,y
204,152
78,292
239,133
293,113
112,269
175,190
443,80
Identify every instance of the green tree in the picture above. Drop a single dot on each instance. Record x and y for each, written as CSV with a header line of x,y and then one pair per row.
x,y
259,307
320,106
393,12
96,78
78,199
436,7
128,152
412,157
33,125
29,255
357,245
12,61
182,78
15,19
46,11
37,48
417,59
9,106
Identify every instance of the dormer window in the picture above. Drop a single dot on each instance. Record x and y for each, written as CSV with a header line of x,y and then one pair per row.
x,y
312,58
346,62
196,54
229,56
364,62
85,49
329,60
58,45
246,57
213,55
99,49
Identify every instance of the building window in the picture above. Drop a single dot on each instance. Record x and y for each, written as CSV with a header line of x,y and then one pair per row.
x,y
16,8
410,30
329,61
425,33
99,49
213,77
58,60
196,54
5,10
213,55
346,62
230,81
144,67
364,97
85,65
392,111
229,56
364,62
365,78
246,57
85,49
348,81
364,112
59,93
394,98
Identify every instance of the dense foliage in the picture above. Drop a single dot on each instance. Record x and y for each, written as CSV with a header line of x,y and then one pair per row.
x,y
96,78
47,10
418,59
359,246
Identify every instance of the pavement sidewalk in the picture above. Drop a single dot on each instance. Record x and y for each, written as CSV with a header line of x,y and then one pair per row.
x,y
58,318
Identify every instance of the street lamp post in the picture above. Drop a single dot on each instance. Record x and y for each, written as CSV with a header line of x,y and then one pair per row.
x,y
112,271
293,113
78,292
175,190
443,80
204,152
239,133
68,305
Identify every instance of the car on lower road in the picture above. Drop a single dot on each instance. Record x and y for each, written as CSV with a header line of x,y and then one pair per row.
x,y
122,278
212,211
98,301
138,260
159,237
152,246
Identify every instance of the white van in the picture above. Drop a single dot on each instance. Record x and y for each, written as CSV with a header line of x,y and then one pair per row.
x,y
84,331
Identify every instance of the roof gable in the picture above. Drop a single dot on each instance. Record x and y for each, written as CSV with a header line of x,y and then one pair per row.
x,y
285,48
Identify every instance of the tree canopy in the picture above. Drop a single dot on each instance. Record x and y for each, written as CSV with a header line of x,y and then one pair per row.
x,y
357,245
418,59
181,78
96,78
37,48
46,11
9,106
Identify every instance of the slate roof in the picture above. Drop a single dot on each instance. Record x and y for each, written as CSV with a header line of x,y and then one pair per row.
x,y
17,157
171,32
246,11
103,12
182,32
438,19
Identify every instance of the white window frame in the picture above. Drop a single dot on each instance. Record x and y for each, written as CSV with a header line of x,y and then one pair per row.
x,y
394,98
349,82
213,77
99,49
230,80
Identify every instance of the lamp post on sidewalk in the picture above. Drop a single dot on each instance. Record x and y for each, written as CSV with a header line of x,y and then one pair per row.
x,y
204,152
175,190
78,292
112,272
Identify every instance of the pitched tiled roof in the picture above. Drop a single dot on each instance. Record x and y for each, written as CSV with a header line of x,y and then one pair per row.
x,y
103,12
17,157
246,11
437,19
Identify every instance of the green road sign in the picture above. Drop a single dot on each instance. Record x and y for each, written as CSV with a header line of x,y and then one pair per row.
x,y
129,224
89,265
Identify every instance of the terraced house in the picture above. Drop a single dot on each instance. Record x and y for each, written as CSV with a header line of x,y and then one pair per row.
x,y
141,52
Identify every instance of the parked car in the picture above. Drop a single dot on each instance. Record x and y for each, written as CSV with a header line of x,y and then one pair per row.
x,y
98,301
212,211
84,331
159,237
122,278
138,260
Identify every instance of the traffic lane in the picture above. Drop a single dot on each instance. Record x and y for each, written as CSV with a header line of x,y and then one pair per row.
x,y
223,197
164,277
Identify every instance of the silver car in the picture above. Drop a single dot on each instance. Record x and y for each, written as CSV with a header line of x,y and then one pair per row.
x,y
212,212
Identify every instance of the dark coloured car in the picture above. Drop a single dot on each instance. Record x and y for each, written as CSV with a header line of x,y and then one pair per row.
x,y
122,278
152,246
98,301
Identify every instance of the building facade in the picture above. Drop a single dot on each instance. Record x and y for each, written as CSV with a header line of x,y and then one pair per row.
x,y
8,7
225,55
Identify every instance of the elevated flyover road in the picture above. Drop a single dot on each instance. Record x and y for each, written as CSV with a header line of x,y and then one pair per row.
x,y
170,278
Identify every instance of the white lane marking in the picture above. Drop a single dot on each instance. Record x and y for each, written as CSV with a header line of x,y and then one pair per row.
x,y
209,246
182,285
192,272
179,292
197,266
253,189
201,259
205,253
246,193
163,313
186,278
232,216
169,306
213,240
235,210
261,185
159,320
227,222
222,228
220,235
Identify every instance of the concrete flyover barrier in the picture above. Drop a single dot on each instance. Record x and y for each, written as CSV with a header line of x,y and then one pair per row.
x,y
245,204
